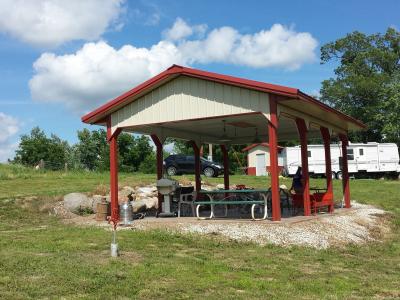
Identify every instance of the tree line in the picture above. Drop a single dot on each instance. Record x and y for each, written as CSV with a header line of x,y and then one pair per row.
x,y
91,152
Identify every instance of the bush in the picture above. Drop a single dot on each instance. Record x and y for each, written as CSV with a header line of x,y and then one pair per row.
x,y
149,165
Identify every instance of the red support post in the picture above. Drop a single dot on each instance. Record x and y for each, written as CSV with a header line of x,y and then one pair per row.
x,y
302,128
273,157
112,139
159,148
197,170
226,166
345,171
328,164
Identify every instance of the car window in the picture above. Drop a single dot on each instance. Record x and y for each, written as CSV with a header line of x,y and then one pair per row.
x,y
190,158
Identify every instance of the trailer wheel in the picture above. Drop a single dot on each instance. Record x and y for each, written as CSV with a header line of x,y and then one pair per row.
x,y
333,175
339,175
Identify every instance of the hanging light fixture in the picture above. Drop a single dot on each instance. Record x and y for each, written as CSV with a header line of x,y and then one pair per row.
x,y
224,137
256,138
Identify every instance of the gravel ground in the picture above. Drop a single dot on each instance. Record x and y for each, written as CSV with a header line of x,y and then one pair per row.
x,y
360,224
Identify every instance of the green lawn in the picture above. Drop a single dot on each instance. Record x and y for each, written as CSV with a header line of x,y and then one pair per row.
x,y
42,258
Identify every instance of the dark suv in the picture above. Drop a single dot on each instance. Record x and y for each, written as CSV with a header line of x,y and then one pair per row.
x,y
180,164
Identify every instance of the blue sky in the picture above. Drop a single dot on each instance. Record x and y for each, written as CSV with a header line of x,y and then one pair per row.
x,y
59,59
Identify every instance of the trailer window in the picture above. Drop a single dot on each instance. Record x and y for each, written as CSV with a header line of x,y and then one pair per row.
x,y
309,153
361,152
350,154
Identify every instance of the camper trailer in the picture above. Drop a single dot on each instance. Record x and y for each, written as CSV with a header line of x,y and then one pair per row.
x,y
363,159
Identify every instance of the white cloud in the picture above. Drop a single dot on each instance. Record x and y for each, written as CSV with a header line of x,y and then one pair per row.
x,y
98,72
181,30
9,126
277,47
49,23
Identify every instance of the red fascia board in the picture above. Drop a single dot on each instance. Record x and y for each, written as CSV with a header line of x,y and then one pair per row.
x,y
260,144
247,83
147,85
305,97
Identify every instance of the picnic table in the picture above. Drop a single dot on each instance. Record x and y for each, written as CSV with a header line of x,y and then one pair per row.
x,y
257,198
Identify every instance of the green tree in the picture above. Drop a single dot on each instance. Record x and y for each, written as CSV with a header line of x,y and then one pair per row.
x,y
149,165
366,82
36,146
92,149
94,152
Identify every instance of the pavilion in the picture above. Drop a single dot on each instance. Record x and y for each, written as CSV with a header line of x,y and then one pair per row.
x,y
203,107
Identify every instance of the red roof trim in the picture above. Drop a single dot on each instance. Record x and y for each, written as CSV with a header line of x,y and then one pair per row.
x,y
305,97
259,144
175,70
120,99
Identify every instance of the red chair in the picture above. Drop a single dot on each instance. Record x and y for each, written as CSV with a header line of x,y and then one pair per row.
x,y
321,200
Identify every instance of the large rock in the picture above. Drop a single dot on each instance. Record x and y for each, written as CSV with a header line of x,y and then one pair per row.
x,y
125,194
138,206
144,204
75,201
145,192
220,186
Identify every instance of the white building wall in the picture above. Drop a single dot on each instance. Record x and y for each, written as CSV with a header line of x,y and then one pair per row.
x,y
252,156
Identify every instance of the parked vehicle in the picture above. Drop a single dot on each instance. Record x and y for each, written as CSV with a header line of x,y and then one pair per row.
x,y
184,164
363,159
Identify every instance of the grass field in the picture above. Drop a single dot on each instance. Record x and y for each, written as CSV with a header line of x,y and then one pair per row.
x,y
42,258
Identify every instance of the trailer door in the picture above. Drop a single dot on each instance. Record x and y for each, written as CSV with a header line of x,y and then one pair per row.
x,y
372,157
360,157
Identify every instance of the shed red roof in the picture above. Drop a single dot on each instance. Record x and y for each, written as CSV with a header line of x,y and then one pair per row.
x,y
259,144
98,115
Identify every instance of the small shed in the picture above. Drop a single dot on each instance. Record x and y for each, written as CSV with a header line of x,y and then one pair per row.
x,y
258,159
209,108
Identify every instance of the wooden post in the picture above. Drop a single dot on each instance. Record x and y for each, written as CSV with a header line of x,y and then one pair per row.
x,y
302,128
345,171
210,152
328,164
273,158
226,166
112,139
159,155
197,165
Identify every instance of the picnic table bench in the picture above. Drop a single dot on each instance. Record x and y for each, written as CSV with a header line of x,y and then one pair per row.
x,y
255,198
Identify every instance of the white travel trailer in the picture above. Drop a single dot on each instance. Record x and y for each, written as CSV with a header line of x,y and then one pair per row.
x,y
363,159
